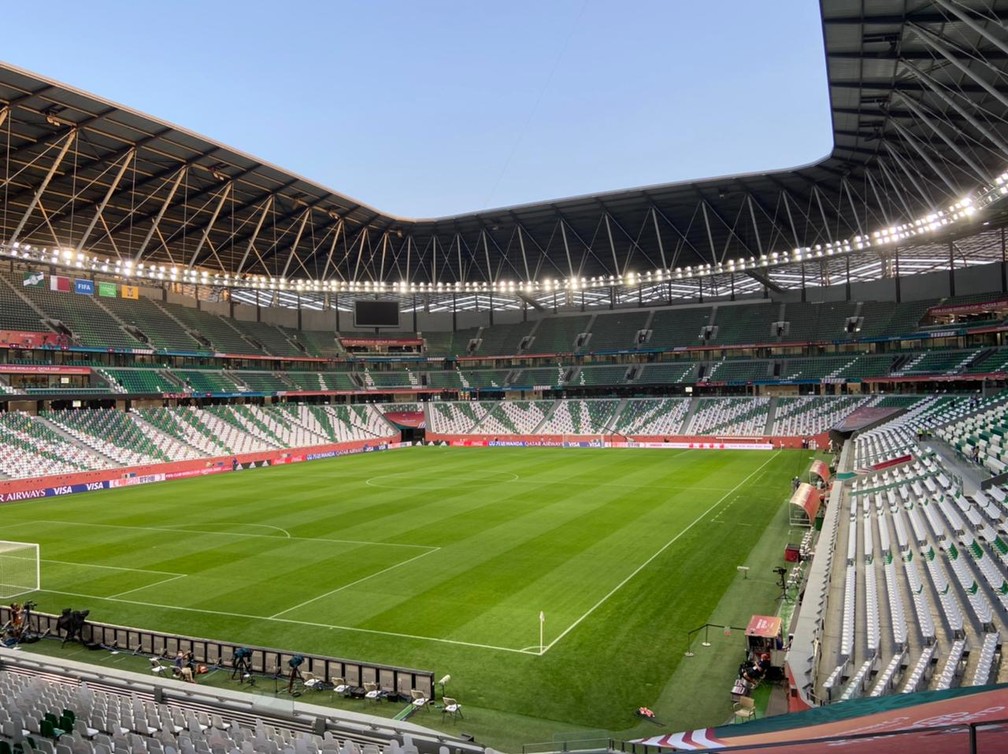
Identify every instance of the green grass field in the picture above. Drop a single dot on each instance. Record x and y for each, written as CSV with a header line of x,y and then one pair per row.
x,y
442,559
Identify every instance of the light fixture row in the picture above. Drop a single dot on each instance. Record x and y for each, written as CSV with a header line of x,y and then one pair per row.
x,y
962,210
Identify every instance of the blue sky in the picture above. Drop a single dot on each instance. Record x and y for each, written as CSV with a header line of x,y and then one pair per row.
x,y
425,109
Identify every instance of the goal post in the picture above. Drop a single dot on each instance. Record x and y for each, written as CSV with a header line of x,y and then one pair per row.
x,y
19,568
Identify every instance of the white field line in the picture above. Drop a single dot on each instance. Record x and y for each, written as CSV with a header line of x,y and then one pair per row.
x,y
111,568
354,583
647,562
148,586
172,530
288,621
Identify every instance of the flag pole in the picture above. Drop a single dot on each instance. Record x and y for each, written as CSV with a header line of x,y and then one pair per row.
x,y
542,622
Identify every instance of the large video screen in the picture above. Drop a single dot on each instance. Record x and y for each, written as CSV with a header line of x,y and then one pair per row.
x,y
376,314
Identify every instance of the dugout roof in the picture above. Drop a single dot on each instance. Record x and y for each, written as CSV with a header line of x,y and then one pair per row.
x,y
919,98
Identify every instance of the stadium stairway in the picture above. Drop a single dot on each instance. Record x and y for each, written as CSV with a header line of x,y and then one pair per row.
x,y
71,439
691,412
771,416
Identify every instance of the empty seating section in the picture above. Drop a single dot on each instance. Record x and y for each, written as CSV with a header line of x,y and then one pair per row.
x,y
745,324
979,426
824,367
503,340
454,418
738,370
941,553
743,417
601,375
205,381
809,415
404,378
881,318
803,323
90,324
110,433
221,334
479,378
317,343
588,417
667,373
992,361
870,365
101,718
273,340
936,362
830,320
644,417
558,334
514,417
141,381
448,380
260,382
161,331
616,332
678,327
450,343
32,448
14,313
540,376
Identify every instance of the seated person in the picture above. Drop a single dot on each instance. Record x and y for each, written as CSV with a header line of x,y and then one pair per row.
x,y
181,669
755,671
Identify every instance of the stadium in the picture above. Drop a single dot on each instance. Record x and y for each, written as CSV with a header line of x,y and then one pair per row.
x,y
712,464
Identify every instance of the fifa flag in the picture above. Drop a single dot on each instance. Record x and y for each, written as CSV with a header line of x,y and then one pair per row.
x,y
84,287
59,283
130,291
33,279
107,289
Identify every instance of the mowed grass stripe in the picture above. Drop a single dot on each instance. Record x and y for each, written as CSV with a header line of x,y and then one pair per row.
x,y
571,527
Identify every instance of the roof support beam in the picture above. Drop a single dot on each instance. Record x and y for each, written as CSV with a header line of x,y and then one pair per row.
x,y
955,11
934,42
937,90
909,139
161,212
340,228
710,236
612,246
255,234
563,233
105,200
213,218
297,240
67,143
657,230
521,245
978,171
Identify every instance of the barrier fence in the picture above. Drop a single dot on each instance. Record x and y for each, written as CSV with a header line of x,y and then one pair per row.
x,y
262,660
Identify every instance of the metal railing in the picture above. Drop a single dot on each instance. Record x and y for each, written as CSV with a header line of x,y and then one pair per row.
x,y
264,660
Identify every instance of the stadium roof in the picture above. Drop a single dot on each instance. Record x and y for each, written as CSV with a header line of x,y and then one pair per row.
x,y
919,97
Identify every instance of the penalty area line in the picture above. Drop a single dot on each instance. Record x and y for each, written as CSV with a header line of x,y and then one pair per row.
x,y
651,559
354,583
290,621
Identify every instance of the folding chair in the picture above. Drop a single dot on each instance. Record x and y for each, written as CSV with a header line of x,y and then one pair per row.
x,y
745,709
451,707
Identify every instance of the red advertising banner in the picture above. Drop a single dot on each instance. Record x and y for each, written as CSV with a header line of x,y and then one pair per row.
x,y
42,369
374,342
28,339
986,306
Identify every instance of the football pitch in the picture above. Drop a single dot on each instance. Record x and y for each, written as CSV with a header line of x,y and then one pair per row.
x,y
439,559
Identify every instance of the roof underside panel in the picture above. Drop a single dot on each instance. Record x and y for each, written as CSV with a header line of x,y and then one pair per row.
x,y
919,96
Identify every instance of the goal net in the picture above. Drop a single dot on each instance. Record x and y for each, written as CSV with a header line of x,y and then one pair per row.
x,y
19,568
